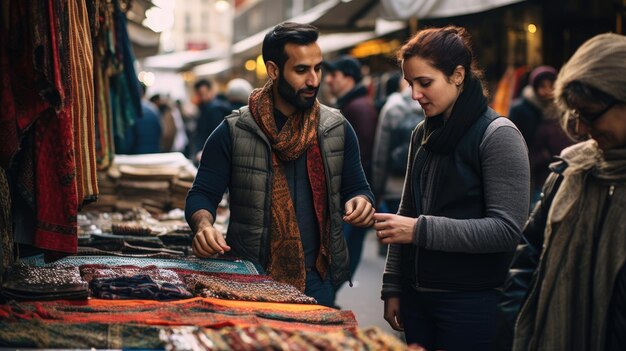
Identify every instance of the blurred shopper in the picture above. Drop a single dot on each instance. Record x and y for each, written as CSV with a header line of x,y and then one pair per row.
x,y
536,116
167,122
344,82
145,135
464,202
398,117
578,297
174,136
237,92
292,169
212,111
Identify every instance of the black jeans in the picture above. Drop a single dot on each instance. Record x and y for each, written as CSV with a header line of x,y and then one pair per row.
x,y
450,320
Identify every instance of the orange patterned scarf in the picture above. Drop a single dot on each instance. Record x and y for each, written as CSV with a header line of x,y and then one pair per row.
x,y
299,135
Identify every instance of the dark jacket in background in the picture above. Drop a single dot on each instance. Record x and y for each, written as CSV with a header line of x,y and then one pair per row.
x,y
212,113
145,135
359,110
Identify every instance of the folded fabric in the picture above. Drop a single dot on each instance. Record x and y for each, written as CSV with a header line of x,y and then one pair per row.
x,y
266,290
139,286
102,272
25,282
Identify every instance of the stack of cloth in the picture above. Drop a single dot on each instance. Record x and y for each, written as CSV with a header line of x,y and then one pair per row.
x,y
25,282
156,182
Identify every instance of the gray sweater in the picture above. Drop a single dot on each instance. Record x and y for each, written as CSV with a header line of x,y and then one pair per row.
x,y
506,179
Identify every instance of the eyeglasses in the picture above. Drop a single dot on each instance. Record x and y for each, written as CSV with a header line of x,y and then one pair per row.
x,y
589,118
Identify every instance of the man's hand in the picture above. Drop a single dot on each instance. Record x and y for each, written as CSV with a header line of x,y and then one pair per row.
x,y
392,313
208,241
359,212
394,229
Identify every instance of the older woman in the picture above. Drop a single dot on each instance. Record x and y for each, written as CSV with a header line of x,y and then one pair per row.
x,y
578,301
463,206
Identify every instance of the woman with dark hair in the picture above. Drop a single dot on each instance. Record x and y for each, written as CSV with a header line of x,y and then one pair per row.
x,y
464,202
578,298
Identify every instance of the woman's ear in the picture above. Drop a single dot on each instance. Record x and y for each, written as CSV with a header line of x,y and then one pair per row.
x,y
458,76
272,70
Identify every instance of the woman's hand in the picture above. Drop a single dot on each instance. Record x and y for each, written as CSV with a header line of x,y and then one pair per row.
x,y
392,313
394,229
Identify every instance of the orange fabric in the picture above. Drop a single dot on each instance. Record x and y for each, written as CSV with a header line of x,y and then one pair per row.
x,y
203,312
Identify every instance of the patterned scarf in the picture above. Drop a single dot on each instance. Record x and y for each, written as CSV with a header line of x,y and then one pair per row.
x,y
299,135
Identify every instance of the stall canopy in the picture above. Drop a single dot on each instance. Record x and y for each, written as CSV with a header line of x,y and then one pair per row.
x,y
362,14
405,9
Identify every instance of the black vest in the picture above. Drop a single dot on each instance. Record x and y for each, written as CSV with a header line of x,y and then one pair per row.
x,y
458,193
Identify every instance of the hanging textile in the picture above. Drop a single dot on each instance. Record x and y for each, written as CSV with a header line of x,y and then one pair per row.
x,y
55,164
125,97
6,224
82,100
25,73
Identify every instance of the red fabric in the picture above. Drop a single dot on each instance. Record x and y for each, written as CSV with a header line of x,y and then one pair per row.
x,y
19,95
315,168
55,167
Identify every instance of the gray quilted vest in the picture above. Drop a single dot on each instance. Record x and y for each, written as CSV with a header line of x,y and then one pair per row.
x,y
250,188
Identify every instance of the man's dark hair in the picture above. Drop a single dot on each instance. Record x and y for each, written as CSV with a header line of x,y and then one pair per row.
x,y
286,32
203,82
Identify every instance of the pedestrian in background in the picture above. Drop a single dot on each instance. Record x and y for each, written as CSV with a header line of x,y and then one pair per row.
x,y
536,116
398,118
344,80
212,110
144,137
237,92
464,202
578,298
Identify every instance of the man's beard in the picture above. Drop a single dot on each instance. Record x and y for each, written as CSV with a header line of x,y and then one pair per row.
x,y
293,97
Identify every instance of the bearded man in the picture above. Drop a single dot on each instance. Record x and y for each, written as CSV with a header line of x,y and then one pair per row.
x,y
293,172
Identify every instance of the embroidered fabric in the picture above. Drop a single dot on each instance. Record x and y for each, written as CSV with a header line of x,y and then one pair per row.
x,y
139,286
267,290
266,338
207,265
44,283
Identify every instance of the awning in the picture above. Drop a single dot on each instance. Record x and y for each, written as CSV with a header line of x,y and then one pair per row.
x,y
362,14
179,61
405,9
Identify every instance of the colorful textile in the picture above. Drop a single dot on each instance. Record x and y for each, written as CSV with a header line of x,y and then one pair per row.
x,y
159,275
298,135
101,23
81,103
267,290
204,312
244,287
38,283
139,286
266,338
65,335
55,166
199,265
